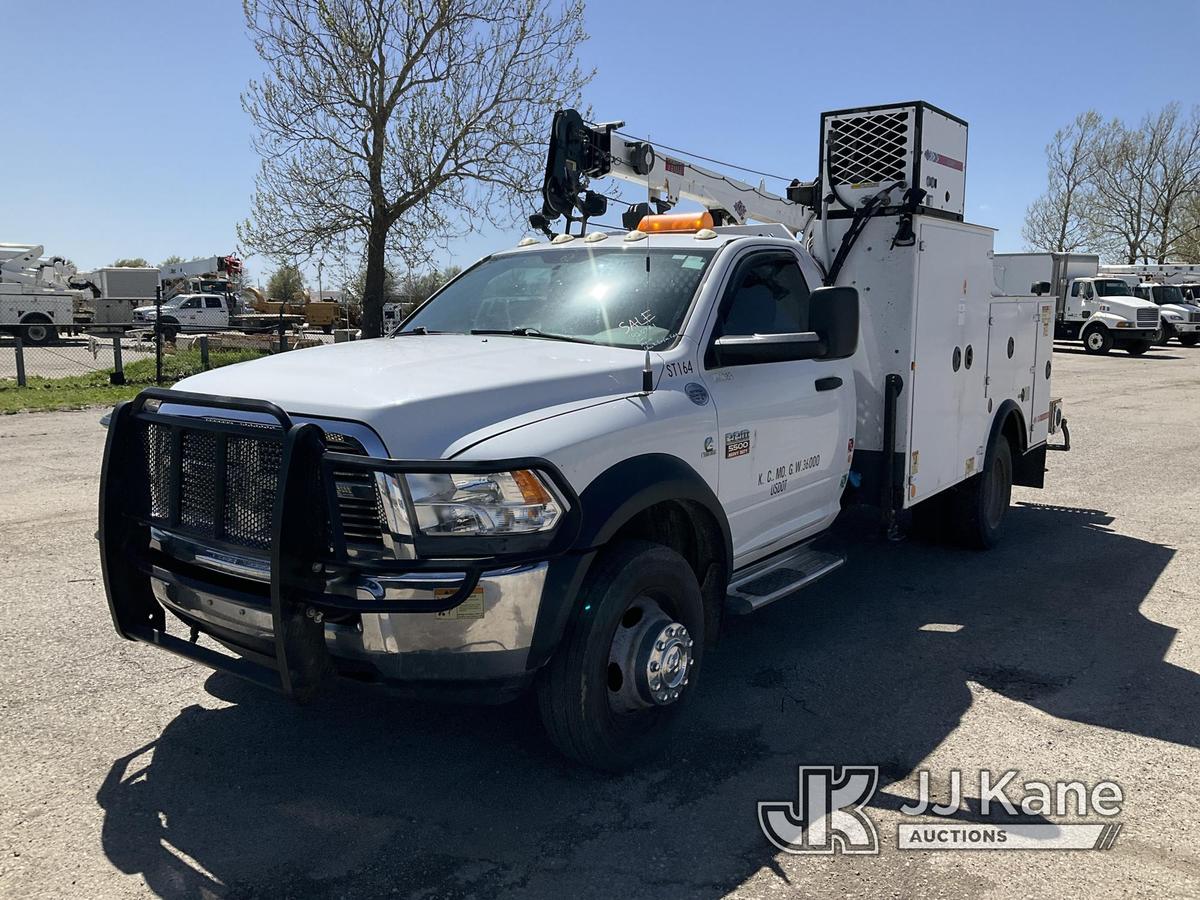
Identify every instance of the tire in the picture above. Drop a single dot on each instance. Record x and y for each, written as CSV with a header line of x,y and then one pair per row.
x,y
38,331
981,503
1136,348
170,329
591,712
1165,334
1097,341
1189,340
328,329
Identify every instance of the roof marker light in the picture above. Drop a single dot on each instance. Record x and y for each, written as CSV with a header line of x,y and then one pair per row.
x,y
595,236
705,234
526,242
562,239
636,235
676,222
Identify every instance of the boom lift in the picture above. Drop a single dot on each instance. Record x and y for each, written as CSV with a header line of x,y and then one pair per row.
x,y
36,296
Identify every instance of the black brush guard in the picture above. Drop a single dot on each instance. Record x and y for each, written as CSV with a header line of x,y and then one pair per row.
x,y
307,543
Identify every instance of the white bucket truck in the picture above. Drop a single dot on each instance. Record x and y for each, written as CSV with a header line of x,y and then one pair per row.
x,y
1173,287
36,298
576,458
1101,310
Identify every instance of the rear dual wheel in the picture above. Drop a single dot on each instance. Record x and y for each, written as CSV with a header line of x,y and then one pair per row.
x,y
1189,340
37,331
623,675
980,504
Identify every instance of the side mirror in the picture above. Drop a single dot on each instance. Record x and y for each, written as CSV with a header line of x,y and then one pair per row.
x,y
833,315
752,349
1038,288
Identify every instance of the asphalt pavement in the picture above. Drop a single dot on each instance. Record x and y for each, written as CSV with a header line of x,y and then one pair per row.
x,y
1070,652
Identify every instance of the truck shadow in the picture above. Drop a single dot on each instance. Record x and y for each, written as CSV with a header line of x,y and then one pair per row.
x,y
362,794
1156,352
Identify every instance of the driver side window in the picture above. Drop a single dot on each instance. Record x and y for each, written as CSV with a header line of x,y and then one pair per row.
x,y
768,295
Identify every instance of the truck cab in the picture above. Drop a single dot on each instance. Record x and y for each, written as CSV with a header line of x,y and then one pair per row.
x,y
1104,312
1180,317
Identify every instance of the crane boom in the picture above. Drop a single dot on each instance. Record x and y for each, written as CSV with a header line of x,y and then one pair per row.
x,y
672,179
579,151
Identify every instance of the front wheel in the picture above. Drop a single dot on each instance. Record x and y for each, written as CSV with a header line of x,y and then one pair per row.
x,y
980,504
1137,348
1097,341
622,676
1189,340
1165,334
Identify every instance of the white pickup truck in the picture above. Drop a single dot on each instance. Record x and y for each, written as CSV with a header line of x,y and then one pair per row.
x,y
204,312
567,467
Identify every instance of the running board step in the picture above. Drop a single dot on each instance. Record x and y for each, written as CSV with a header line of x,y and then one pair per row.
x,y
776,577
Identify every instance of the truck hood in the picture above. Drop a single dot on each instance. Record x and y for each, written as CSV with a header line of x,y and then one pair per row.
x,y
1180,309
423,393
1125,304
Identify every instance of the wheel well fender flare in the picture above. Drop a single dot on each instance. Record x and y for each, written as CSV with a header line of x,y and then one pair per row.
x,y
36,317
636,484
611,501
1009,410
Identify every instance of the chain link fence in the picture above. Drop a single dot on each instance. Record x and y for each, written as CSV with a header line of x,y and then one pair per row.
x,y
83,365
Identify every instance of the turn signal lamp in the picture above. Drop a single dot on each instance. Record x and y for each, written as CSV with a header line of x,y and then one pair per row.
x,y
676,222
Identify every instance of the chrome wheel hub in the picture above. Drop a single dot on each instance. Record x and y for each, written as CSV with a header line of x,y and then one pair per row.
x,y
650,660
667,668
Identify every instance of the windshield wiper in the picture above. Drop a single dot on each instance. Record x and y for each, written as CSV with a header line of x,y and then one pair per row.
x,y
420,329
533,332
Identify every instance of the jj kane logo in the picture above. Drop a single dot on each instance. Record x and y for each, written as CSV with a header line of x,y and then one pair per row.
x,y
829,815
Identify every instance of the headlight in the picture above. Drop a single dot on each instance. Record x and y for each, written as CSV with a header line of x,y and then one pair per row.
x,y
1174,317
446,504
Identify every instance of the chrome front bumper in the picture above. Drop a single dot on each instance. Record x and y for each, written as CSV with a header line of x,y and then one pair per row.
x,y
487,636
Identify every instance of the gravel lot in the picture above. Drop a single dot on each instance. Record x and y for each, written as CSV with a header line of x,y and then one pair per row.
x,y
125,771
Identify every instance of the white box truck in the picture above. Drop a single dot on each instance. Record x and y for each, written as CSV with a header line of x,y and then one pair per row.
x,y
576,458
116,291
1101,310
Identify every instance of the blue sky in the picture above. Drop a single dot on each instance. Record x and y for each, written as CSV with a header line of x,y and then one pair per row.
x,y
125,137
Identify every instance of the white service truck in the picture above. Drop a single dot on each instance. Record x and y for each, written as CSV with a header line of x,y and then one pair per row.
x,y
36,299
1172,287
1099,309
570,464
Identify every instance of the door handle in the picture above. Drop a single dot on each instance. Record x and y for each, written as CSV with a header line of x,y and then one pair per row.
x,y
829,384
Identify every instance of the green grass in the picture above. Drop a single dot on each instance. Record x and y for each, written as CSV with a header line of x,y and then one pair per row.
x,y
95,389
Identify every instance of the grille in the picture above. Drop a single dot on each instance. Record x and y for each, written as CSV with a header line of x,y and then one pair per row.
x,y
869,148
1148,317
359,506
1194,317
245,506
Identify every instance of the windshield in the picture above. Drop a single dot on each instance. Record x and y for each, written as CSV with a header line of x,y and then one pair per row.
x,y
1112,287
1167,293
623,297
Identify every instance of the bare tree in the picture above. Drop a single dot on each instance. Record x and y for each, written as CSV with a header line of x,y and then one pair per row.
x,y
1055,220
1187,244
1175,181
1121,214
385,124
